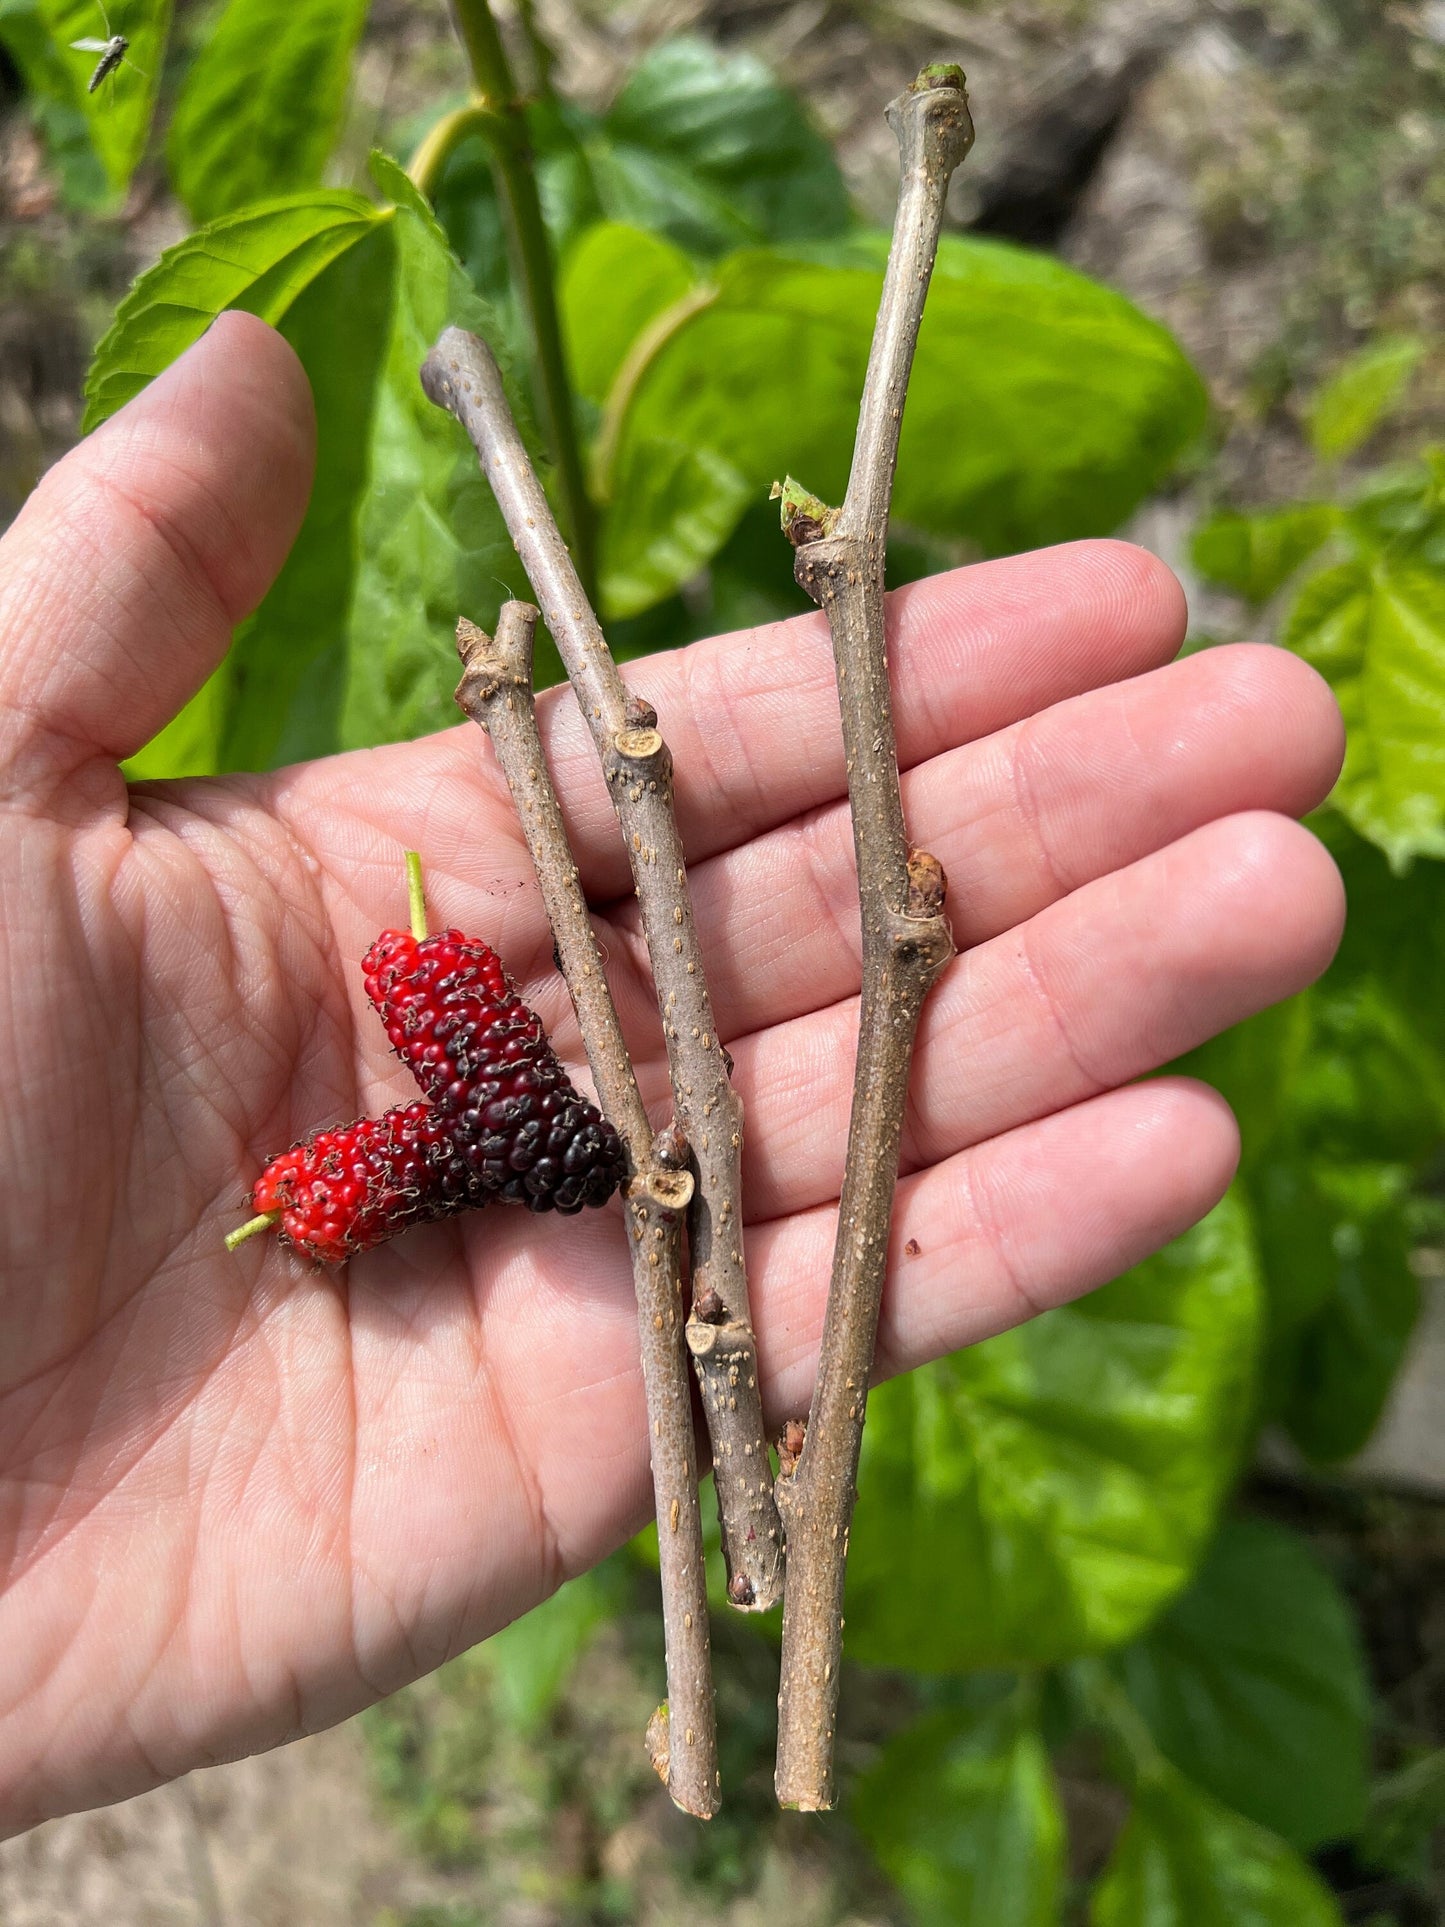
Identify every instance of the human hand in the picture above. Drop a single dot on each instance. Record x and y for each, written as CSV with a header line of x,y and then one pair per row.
x,y
240,1499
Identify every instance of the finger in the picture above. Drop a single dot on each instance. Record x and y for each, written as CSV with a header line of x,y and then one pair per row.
x,y
1001,1232
1107,985
1019,820
997,1233
126,570
752,718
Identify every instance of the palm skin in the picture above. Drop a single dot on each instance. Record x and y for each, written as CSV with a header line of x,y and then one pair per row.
x,y
240,1498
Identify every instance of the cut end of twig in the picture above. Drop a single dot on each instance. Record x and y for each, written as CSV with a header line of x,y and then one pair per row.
x,y
668,1190
806,518
638,745
814,1802
252,1228
416,896
927,884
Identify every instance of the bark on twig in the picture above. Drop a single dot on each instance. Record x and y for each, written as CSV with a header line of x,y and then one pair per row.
x,y
461,375
906,945
496,692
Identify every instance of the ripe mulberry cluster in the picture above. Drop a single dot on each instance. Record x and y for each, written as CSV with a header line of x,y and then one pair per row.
x,y
501,1121
521,1131
345,1190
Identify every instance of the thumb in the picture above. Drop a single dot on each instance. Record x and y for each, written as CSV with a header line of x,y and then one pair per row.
x,y
125,572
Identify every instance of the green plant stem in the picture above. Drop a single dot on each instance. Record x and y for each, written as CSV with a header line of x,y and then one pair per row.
x,y
544,61
1106,1707
416,896
429,161
252,1228
511,149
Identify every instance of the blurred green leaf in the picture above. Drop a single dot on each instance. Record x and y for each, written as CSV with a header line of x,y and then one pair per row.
x,y
962,1813
1254,1685
706,146
1399,513
118,113
431,543
1341,1100
1185,1861
1046,1493
318,265
1357,398
1406,1813
1395,938
260,108
1343,1361
613,283
1377,631
1256,554
260,260
1042,405
289,659
532,1659
49,81
673,515
701,146
354,643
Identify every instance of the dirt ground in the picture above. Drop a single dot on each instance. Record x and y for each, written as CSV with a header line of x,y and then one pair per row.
x,y
1265,178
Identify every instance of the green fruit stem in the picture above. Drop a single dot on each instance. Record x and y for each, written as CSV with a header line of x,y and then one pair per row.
x,y
416,896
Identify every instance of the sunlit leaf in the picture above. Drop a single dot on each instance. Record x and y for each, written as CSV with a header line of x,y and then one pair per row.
x,y
1256,554
1377,630
1046,1493
260,109
354,642
260,260
614,282
672,516
118,114
431,544
1357,398
1042,406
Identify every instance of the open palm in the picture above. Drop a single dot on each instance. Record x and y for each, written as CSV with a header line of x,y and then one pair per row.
x,y
240,1498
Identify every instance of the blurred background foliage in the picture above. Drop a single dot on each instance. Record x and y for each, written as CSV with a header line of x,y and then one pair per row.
x,y
1133,1639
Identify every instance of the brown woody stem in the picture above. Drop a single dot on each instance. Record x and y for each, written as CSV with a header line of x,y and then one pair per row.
x,y
906,947
496,692
461,375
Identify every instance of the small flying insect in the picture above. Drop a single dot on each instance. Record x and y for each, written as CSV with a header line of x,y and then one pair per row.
x,y
112,51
